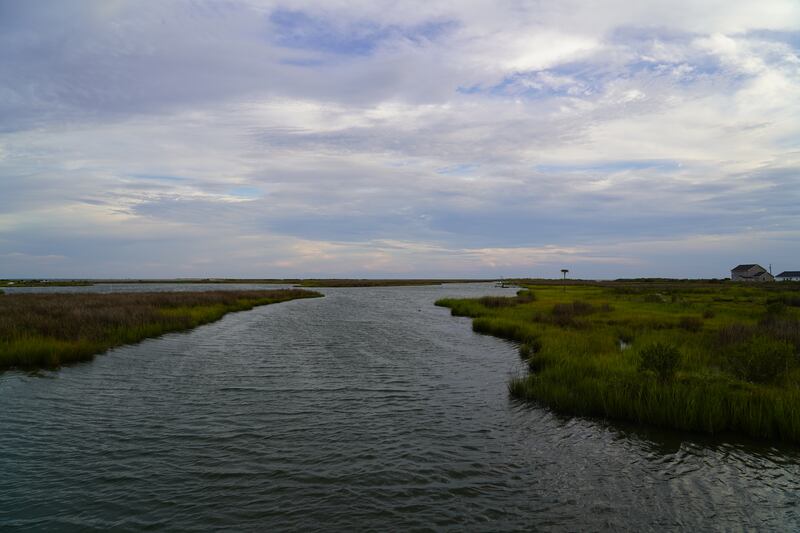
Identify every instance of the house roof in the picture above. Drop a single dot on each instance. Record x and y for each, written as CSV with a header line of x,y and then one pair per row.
x,y
789,274
744,268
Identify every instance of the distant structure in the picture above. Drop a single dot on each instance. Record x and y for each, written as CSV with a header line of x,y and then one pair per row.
x,y
788,275
751,273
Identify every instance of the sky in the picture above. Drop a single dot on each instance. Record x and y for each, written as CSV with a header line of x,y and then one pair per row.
x,y
413,138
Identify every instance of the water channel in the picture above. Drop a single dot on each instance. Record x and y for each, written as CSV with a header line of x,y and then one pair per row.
x,y
369,409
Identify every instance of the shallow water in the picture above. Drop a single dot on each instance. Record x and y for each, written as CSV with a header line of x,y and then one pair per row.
x,y
369,409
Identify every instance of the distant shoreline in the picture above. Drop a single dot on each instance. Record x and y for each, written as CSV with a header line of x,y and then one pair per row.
x,y
652,283
310,282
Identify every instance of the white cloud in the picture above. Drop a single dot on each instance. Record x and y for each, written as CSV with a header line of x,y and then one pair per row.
x,y
423,139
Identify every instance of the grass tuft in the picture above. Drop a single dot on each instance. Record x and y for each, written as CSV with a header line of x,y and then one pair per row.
x,y
660,358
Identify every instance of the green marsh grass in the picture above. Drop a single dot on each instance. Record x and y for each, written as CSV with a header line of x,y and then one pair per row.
x,y
727,358
48,330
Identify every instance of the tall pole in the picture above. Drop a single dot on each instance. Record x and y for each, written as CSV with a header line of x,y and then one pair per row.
x,y
564,271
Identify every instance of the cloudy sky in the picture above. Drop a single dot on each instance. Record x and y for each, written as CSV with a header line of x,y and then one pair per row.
x,y
398,138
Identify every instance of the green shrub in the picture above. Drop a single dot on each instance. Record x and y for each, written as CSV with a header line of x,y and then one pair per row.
x,y
576,308
761,359
496,301
691,323
493,302
787,299
582,308
776,309
529,347
736,333
566,314
507,329
784,328
535,363
525,296
660,358
625,335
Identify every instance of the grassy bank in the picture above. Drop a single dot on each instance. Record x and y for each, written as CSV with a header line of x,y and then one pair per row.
x,y
47,330
712,357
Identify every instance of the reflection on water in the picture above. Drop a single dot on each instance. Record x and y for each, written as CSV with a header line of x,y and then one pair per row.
x,y
368,408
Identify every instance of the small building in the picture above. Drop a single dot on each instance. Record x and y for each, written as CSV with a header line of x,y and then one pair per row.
x,y
751,273
788,275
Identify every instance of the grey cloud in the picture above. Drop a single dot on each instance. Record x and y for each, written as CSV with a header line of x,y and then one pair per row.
x,y
125,133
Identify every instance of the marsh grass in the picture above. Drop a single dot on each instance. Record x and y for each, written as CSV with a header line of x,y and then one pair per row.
x,y
48,330
736,369
661,359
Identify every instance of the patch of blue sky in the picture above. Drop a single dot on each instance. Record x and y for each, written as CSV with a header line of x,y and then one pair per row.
x,y
586,78
643,40
700,66
659,165
457,170
303,62
631,35
427,31
473,89
577,78
297,29
530,85
596,75
791,38
245,192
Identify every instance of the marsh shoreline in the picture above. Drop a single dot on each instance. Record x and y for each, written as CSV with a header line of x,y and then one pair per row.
x,y
706,358
48,330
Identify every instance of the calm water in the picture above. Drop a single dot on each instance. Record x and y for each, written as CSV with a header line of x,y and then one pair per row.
x,y
368,409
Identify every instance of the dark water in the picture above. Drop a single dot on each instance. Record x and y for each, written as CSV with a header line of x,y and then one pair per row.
x,y
368,409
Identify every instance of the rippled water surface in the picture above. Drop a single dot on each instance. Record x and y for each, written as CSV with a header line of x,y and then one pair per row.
x,y
368,409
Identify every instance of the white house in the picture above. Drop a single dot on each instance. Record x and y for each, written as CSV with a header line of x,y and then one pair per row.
x,y
788,275
751,273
